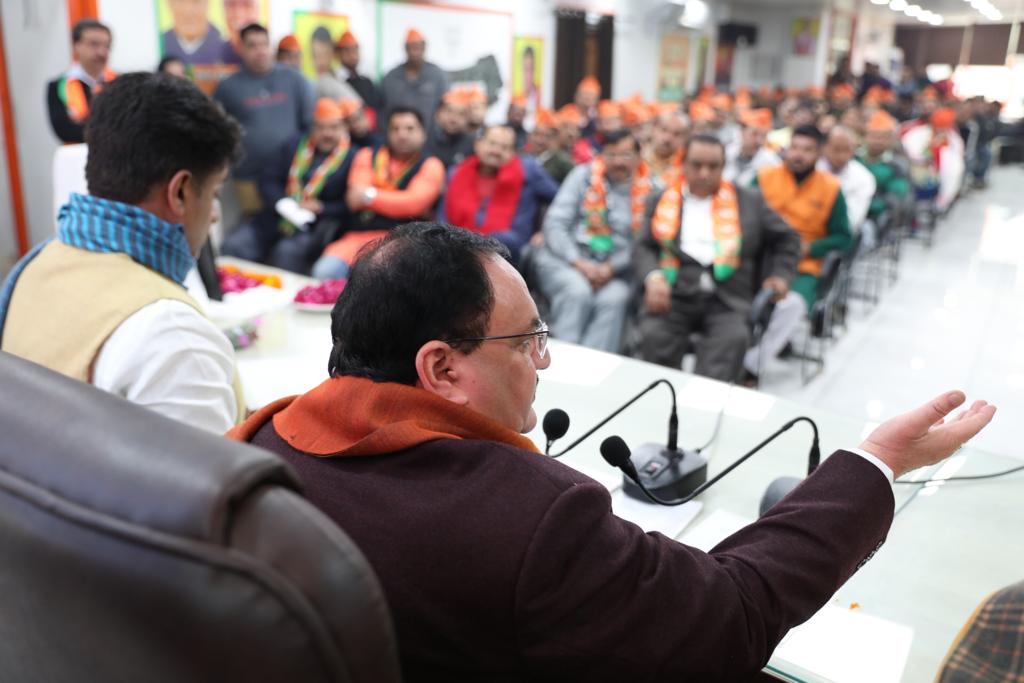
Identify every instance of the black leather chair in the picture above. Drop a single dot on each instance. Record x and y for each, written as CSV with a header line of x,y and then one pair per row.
x,y
134,548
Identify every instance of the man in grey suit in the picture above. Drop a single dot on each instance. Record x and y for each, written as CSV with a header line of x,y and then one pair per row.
x,y
701,257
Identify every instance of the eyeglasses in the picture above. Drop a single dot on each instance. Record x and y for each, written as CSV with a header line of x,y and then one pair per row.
x,y
537,340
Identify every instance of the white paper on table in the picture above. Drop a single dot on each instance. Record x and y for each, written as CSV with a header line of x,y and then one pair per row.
x,y
248,304
650,517
841,645
717,526
289,209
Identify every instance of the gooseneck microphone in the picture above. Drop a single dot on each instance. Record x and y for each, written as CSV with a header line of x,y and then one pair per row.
x,y
555,425
556,419
617,454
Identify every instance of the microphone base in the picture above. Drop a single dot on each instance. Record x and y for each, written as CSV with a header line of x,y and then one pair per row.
x,y
666,474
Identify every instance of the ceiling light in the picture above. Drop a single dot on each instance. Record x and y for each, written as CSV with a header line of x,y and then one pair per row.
x,y
937,20
897,5
913,11
879,2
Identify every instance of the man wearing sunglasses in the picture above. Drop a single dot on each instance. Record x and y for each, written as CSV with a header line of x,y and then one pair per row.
x,y
500,564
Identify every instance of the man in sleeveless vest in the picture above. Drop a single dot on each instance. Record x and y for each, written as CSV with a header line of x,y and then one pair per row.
x,y
69,97
704,242
104,302
312,171
496,192
389,185
812,202
584,267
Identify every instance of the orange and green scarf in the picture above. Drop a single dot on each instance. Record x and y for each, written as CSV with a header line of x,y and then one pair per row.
x,y
595,205
725,226
71,92
315,185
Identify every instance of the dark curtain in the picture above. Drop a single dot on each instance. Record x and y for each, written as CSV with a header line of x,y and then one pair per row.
x,y
582,49
930,45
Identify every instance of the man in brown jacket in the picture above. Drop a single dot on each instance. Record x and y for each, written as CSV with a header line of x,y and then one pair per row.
x,y
503,565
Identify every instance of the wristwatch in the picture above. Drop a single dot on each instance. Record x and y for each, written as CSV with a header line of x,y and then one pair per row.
x,y
369,194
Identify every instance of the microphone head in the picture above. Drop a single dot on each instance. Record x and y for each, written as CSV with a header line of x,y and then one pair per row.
x,y
556,424
615,451
777,490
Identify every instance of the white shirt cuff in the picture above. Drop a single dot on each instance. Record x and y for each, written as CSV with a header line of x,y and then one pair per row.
x,y
874,460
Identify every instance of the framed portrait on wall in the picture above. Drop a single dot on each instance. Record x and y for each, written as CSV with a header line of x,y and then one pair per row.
x,y
805,35
317,33
528,69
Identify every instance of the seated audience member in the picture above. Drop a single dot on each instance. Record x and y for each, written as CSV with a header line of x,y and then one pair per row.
x,y
988,647
795,116
856,181
748,155
570,127
702,117
388,185
545,145
812,203
172,66
289,52
609,118
638,119
936,154
516,119
105,301
500,564
476,110
665,154
881,159
588,94
584,267
361,132
704,242
68,98
497,193
313,171
448,140
723,126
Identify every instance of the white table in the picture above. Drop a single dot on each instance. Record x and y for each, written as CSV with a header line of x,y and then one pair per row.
x,y
949,546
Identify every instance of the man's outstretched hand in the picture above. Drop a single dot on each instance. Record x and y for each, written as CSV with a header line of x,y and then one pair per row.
x,y
923,436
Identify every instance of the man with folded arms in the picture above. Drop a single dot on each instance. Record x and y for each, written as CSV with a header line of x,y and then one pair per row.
x,y
388,185
105,301
704,242
500,564
497,193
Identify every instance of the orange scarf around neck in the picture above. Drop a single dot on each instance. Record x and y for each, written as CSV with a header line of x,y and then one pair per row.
x,y
353,416
595,205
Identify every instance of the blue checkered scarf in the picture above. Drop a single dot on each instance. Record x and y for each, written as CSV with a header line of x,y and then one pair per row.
x,y
106,226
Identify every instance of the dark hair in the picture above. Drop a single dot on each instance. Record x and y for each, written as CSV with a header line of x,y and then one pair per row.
x,y
169,59
706,139
322,35
406,110
528,50
423,281
810,131
84,25
144,128
252,28
614,137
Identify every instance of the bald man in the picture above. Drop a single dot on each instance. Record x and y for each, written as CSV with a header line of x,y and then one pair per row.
x,y
856,180
664,155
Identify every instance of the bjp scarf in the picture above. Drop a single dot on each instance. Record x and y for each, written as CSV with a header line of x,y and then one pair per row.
x,y
383,179
463,201
300,166
71,92
595,205
725,226
354,416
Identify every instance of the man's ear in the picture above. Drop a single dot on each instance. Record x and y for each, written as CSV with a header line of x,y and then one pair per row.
x,y
438,371
177,188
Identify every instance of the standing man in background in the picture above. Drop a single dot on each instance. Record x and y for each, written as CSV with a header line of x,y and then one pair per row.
x,y
273,103
68,97
348,55
328,82
416,83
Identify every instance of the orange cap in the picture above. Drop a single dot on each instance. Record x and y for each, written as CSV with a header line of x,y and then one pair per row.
x,y
634,114
589,84
721,101
667,107
929,93
349,107
475,94
458,96
764,92
843,91
607,109
414,36
289,44
519,101
570,114
943,118
701,112
876,94
327,110
757,118
545,119
348,39
882,120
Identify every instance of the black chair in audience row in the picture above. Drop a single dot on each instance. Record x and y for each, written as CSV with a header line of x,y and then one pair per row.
x,y
138,549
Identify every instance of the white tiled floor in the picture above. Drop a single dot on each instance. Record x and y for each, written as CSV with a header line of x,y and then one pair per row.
x,y
955,319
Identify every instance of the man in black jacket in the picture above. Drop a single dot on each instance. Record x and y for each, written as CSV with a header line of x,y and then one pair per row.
x,y
68,97
348,55
701,274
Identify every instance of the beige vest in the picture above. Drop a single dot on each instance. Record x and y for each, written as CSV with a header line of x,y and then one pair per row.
x,y
68,301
